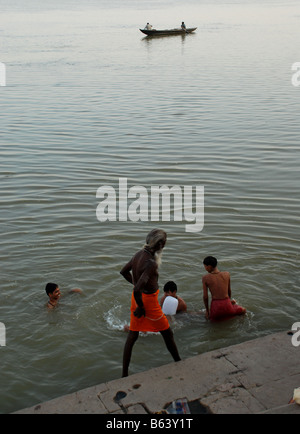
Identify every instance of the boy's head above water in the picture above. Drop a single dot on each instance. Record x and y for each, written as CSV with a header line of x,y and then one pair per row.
x,y
210,263
51,288
53,292
170,287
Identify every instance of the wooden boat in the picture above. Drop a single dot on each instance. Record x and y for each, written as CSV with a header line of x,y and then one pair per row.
x,y
167,32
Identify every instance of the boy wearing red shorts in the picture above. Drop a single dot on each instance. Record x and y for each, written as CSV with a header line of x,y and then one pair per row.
x,y
218,283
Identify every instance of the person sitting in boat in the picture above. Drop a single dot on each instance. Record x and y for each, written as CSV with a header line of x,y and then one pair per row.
x,y
183,26
148,27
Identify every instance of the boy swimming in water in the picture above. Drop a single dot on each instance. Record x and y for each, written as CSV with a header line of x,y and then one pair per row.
x,y
54,294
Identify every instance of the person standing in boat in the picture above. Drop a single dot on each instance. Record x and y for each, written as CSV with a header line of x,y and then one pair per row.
x,y
183,26
148,27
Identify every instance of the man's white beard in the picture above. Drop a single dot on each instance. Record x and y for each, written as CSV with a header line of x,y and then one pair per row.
x,y
158,257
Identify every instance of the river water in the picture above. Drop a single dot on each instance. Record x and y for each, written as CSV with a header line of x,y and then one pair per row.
x,y
89,100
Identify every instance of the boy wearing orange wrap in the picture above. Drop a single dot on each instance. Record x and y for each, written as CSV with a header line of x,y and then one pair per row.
x,y
146,313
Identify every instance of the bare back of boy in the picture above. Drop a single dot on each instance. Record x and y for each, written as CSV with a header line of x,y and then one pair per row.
x,y
219,284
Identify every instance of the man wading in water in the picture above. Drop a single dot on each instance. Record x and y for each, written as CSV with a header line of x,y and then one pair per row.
x,y
146,313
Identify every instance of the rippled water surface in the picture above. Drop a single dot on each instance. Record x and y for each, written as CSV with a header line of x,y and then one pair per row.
x,y
90,100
